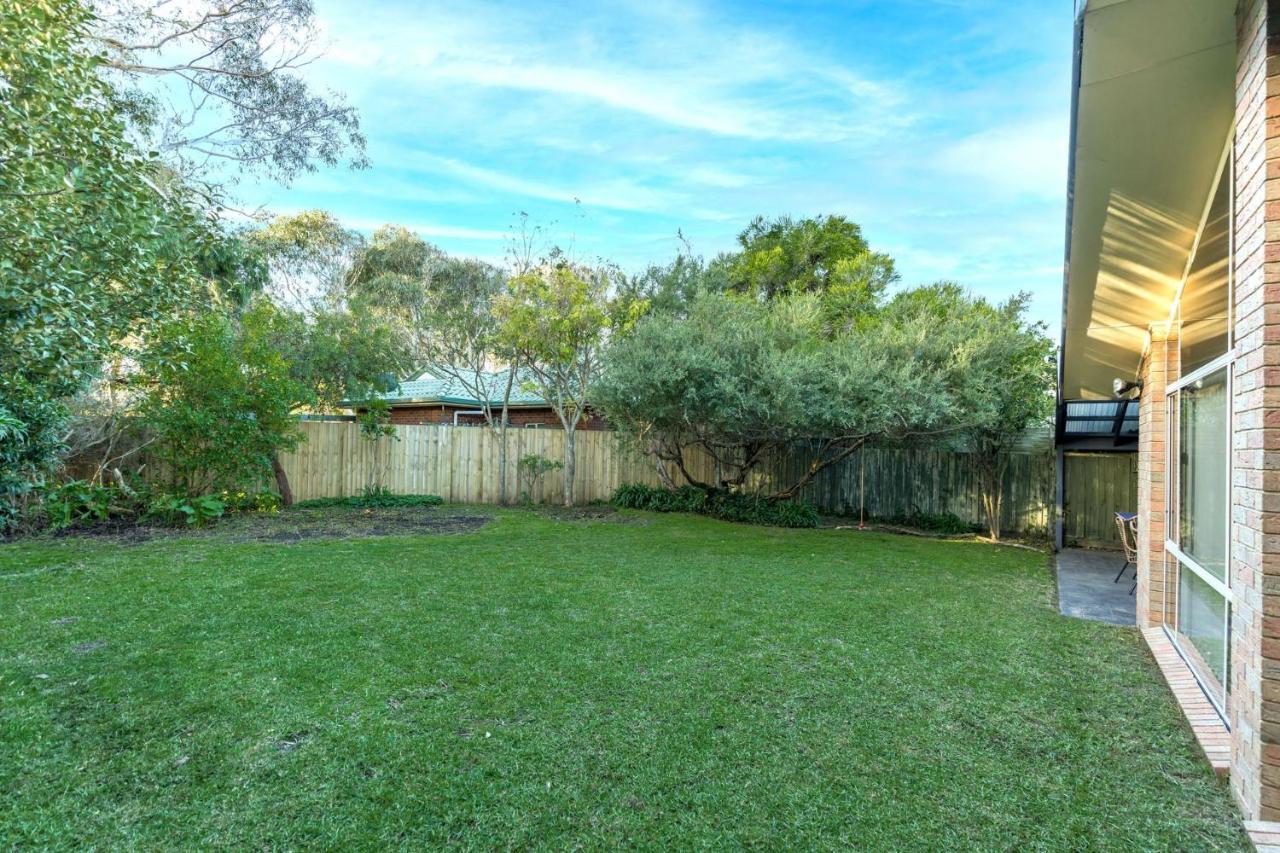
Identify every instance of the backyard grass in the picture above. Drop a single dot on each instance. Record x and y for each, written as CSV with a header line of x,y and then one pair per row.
x,y
550,681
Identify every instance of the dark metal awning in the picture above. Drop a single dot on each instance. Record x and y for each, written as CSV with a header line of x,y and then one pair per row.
x,y
1098,424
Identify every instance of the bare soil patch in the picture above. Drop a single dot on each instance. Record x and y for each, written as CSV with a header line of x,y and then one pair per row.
x,y
299,525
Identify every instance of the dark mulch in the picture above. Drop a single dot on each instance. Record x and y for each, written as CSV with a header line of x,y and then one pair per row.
x,y
296,525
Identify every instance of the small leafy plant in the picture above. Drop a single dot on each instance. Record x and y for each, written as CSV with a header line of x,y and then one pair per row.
x,y
78,502
532,470
268,503
178,509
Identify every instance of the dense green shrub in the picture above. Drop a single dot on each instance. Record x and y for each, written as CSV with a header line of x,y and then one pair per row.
x,y
219,401
31,433
946,522
729,506
371,499
656,499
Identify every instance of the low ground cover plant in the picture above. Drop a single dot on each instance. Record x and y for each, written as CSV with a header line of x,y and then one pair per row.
x,y
374,498
728,506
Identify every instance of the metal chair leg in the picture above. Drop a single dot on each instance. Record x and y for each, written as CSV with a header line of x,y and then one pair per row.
x,y
1135,586
1121,572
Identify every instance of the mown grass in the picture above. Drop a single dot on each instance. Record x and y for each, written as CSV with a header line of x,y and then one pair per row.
x,y
655,681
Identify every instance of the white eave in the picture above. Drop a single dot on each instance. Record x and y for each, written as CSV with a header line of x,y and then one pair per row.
x,y
1154,103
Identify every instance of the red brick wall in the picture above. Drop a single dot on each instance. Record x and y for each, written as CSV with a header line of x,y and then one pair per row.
x,y
1159,368
521,418
1254,705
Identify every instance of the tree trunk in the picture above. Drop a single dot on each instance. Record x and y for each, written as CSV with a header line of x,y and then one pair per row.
x,y
502,435
991,481
664,476
502,461
569,460
282,480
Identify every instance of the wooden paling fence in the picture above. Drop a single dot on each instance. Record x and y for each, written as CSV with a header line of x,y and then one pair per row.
x,y
461,465
1095,487
458,463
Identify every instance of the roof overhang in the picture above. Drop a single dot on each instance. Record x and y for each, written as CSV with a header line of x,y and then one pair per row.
x,y
1154,103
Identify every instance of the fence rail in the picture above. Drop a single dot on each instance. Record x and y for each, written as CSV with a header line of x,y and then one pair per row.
x,y
461,465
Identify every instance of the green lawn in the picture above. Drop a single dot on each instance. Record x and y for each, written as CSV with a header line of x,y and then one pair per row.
x,y
546,681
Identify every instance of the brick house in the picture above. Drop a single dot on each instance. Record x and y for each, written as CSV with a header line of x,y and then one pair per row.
x,y
1173,289
430,399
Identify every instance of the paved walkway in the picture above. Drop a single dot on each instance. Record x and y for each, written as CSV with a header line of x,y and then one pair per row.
x,y
1086,589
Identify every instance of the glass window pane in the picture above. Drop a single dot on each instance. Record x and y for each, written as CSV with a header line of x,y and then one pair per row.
x,y
1203,306
1202,622
1202,472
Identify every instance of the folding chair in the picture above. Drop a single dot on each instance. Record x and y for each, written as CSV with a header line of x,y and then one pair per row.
x,y
1127,524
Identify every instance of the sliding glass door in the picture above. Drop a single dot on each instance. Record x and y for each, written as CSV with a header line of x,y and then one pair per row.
x,y
1199,492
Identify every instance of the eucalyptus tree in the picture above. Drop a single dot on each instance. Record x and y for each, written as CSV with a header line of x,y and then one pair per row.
x,y
442,310
216,87
557,319
309,256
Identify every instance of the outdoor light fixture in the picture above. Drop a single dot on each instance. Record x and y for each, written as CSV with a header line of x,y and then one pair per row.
x,y
1122,387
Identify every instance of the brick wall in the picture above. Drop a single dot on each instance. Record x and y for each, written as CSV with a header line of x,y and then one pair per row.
x,y
520,418
1159,368
1254,705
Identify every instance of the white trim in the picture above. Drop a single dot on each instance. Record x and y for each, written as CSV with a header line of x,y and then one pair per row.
x,y
1201,372
1200,571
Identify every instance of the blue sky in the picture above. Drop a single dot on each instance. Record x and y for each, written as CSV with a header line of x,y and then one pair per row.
x,y
939,125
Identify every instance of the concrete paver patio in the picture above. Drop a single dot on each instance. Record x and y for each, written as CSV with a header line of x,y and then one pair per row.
x,y
1087,586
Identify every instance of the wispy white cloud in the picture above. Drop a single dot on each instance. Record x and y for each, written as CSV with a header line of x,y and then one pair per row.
x,y
939,125
612,193
1027,157
681,68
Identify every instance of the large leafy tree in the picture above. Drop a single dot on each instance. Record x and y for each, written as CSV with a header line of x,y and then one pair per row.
x,y
309,255
825,255
98,245
1009,380
744,381
215,86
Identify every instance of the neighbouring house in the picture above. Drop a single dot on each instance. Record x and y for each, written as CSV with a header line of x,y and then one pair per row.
x,y
435,399
1172,302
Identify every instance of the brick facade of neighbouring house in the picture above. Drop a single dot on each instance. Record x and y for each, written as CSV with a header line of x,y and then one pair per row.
x,y
521,418
1159,368
1254,703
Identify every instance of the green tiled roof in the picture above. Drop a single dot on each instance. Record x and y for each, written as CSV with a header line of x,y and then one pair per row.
x,y
428,388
